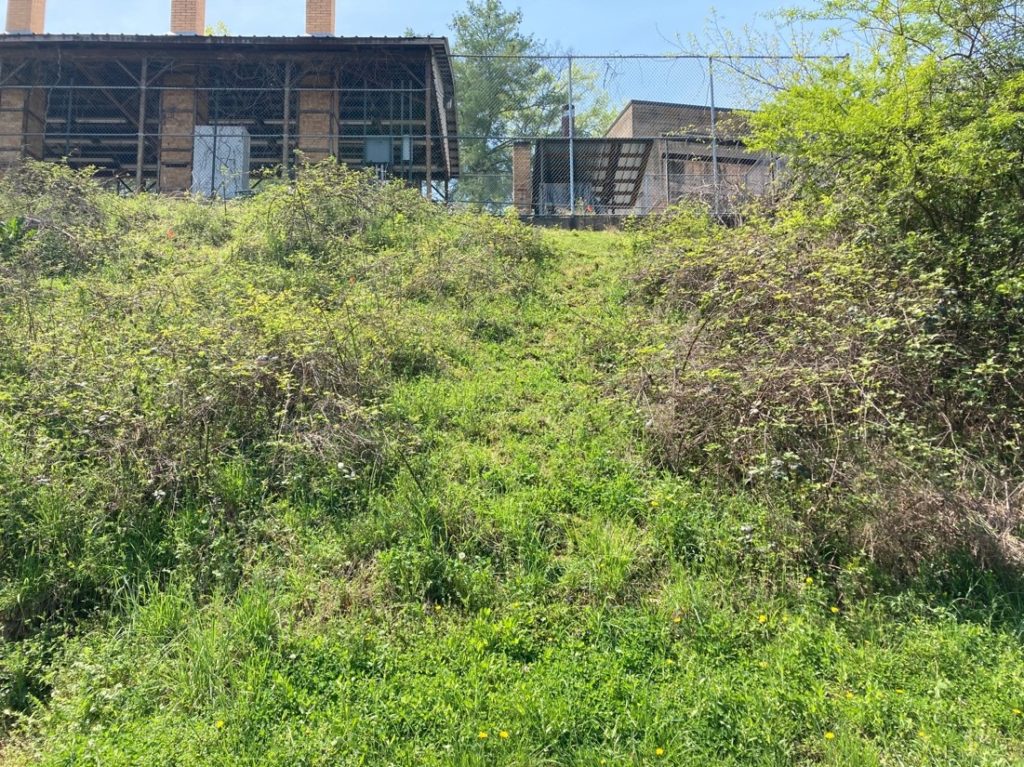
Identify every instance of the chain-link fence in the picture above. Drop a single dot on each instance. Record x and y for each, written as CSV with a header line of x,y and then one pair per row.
x,y
547,135
612,135
215,116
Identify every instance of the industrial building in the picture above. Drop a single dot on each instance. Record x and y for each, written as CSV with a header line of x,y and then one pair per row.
x,y
654,155
191,111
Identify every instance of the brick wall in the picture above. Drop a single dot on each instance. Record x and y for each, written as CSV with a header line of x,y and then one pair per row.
x,y
188,17
24,16
522,176
181,109
320,17
318,118
22,123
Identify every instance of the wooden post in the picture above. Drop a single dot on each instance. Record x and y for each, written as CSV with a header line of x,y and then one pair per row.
x,y
140,152
286,132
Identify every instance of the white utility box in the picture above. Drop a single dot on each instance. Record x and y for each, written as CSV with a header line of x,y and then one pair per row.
x,y
220,161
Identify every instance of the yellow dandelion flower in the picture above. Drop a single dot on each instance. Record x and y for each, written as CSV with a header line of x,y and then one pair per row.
x,y
482,735
220,724
677,619
835,610
849,695
659,751
922,734
503,734
669,662
830,735
1018,712
762,618
809,580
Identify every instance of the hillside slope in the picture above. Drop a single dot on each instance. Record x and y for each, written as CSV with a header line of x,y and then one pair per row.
x,y
419,523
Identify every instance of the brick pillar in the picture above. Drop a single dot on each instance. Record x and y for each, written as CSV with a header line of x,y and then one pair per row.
x,y
318,118
522,177
320,18
25,17
182,108
188,17
22,124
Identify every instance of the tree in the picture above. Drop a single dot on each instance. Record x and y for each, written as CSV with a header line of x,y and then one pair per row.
x,y
509,86
218,29
914,148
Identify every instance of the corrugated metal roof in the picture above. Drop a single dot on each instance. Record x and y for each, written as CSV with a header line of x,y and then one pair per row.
x,y
310,40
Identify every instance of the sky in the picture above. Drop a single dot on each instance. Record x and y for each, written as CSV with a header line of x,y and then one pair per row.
x,y
583,26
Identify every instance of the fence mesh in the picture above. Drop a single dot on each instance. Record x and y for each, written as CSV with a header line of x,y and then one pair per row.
x,y
578,135
549,136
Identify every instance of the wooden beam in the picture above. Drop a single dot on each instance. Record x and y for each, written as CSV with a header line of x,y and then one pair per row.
x,y
286,130
140,154
442,112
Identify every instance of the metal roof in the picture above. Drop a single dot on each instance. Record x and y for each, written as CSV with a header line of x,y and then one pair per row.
x,y
306,41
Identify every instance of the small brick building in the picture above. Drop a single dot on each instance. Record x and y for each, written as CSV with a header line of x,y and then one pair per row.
x,y
654,155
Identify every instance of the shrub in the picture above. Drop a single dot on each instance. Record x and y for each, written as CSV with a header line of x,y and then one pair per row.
x,y
861,344
68,214
788,356
155,410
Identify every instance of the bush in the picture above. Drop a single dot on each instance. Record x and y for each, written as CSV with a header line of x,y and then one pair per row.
x,y
67,213
788,355
158,406
862,343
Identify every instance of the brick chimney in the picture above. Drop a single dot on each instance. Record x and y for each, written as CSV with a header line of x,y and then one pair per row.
x,y
26,17
320,18
569,120
188,17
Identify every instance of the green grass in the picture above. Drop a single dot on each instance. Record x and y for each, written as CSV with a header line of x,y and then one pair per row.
x,y
522,586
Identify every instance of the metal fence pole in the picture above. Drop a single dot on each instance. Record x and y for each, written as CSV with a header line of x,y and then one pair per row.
x,y
572,145
714,134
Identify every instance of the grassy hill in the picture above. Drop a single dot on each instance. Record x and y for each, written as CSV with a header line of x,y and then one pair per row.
x,y
332,477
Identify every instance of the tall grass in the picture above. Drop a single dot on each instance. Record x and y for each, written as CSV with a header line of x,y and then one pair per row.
x,y
333,477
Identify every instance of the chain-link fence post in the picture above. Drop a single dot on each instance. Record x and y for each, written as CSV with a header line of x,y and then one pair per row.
x,y
715,179
572,145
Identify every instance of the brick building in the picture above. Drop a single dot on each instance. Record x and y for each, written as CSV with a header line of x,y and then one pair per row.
x,y
654,155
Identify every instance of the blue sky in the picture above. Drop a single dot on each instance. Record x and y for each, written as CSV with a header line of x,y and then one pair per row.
x,y
585,26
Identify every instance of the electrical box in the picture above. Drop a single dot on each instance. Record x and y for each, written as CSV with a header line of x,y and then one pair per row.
x,y
220,161
379,151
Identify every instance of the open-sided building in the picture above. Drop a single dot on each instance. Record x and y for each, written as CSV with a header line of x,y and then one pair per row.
x,y
191,111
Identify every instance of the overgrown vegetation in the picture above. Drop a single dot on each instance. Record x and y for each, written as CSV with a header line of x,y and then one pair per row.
x,y
332,476
159,405
858,344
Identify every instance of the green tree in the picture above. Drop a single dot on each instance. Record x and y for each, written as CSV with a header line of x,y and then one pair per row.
x,y
510,85
218,29
914,147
